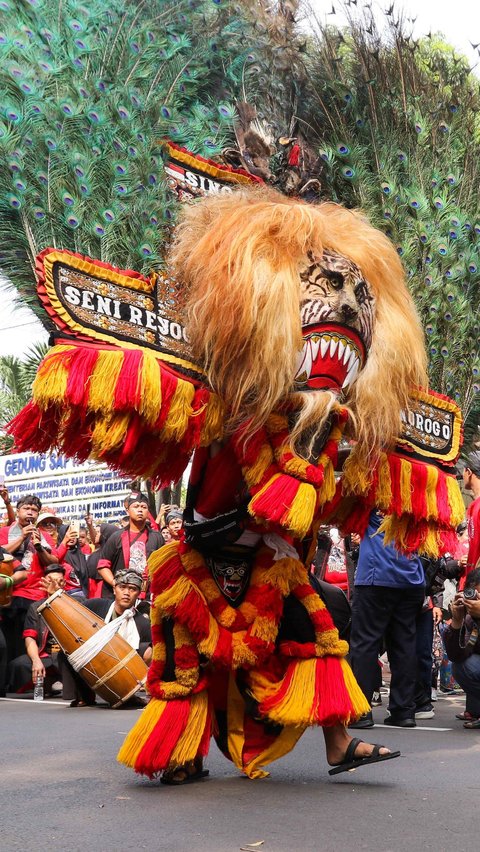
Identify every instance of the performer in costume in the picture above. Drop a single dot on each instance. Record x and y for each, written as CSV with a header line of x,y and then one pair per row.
x,y
299,331
238,630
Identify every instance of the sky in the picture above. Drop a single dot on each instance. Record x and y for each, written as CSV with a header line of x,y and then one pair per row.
x,y
459,21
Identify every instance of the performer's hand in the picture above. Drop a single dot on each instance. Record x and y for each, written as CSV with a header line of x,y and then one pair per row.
x,y
457,608
38,669
50,584
437,615
30,529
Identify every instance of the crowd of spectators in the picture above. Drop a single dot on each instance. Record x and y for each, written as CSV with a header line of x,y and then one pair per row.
x,y
101,565
422,615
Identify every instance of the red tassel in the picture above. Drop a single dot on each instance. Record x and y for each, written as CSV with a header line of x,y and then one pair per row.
x,y
156,752
76,436
419,487
132,438
443,504
26,426
294,156
333,701
81,365
169,384
275,498
127,390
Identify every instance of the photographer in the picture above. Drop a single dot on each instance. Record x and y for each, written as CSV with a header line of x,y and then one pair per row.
x,y
462,644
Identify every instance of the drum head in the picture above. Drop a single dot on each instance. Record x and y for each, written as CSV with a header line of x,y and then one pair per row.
x,y
50,599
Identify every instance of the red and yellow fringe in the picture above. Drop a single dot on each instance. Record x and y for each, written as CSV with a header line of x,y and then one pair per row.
x,y
168,734
319,691
422,503
122,406
286,490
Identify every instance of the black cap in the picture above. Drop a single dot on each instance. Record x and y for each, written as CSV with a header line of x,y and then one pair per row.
x,y
132,578
136,497
174,513
55,569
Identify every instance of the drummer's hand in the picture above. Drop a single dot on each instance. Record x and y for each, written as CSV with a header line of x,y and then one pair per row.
x,y
38,669
50,584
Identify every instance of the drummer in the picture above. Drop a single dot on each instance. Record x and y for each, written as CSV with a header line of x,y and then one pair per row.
x,y
136,631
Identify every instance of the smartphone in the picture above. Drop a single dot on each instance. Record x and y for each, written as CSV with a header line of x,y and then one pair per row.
x,y
75,526
88,509
2,481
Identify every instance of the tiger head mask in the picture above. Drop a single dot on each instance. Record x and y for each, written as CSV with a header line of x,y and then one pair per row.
x,y
299,304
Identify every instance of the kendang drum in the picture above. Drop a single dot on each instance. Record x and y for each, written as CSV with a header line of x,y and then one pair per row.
x,y
111,667
6,571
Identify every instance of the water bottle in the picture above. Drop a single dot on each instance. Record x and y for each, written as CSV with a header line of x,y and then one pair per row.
x,y
38,689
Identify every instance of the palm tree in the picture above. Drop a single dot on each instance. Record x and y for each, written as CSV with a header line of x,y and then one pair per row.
x,y
16,378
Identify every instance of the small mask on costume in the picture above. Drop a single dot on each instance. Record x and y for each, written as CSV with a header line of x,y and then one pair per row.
x,y
231,576
337,312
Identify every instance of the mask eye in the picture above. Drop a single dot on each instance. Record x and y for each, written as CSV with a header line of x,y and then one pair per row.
x,y
334,277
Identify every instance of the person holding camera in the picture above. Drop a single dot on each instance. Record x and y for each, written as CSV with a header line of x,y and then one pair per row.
x,y
462,644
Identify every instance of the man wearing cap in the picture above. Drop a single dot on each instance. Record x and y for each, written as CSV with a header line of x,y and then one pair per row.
x,y
471,481
33,551
136,631
174,519
129,549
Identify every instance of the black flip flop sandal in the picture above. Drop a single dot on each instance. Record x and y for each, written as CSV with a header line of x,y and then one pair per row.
x,y
168,776
350,762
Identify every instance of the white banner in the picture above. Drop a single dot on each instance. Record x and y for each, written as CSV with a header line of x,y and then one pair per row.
x,y
67,488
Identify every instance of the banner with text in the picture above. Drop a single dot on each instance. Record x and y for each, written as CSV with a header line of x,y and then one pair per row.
x,y
63,486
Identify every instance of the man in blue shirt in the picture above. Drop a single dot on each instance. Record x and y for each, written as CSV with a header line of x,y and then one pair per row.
x,y
389,594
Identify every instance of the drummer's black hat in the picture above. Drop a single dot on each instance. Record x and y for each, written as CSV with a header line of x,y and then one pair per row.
x,y
54,569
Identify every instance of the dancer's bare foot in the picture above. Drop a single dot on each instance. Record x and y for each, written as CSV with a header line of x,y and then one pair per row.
x,y
337,741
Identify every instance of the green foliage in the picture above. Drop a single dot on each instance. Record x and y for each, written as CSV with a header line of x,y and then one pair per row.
x,y
16,378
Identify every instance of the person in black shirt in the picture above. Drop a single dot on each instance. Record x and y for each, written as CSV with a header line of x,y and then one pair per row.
x,y
129,549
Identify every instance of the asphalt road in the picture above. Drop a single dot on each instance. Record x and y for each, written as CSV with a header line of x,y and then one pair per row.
x,y
62,790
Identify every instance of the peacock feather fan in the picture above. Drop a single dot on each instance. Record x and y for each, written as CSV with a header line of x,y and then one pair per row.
x,y
396,123
88,91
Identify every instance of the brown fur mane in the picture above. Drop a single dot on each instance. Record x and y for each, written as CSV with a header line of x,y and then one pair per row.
x,y
238,255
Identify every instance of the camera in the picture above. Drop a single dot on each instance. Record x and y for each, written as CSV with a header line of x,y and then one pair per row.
x,y
470,594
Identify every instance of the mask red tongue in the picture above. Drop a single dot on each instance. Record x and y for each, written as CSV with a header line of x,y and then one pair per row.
x,y
331,358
